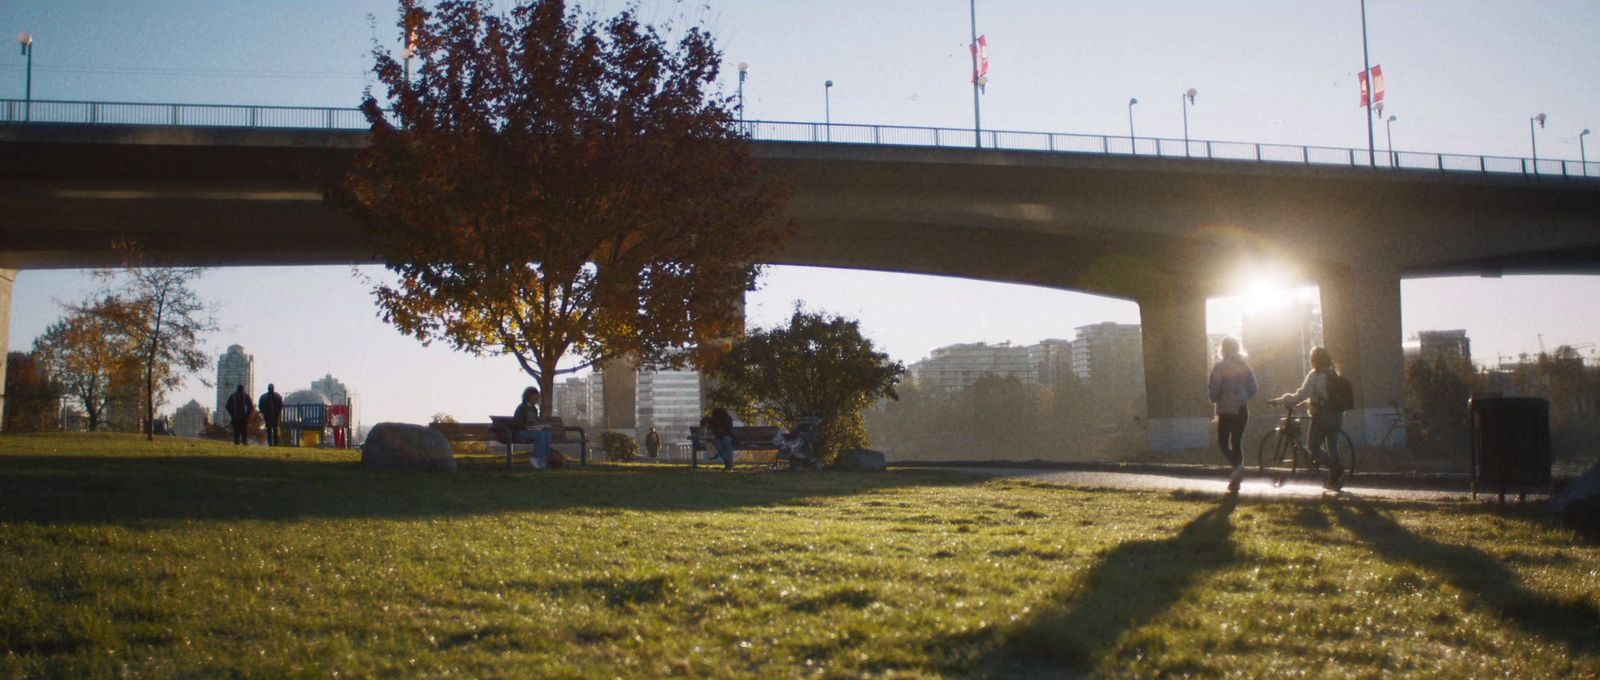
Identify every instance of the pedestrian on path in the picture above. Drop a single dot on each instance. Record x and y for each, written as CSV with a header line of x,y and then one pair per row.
x,y
271,405
1233,385
239,410
1326,418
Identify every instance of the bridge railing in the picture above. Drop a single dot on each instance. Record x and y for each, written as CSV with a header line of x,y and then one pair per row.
x,y
303,117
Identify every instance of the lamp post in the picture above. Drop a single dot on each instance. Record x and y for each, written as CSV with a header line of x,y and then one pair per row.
x,y
1186,102
744,70
1366,66
1388,135
1533,138
1133,145
26,40
1583,154
827,109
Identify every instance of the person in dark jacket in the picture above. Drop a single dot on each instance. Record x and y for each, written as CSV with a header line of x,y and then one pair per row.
x,y
239,410
652,443
525,431
271,405
721,423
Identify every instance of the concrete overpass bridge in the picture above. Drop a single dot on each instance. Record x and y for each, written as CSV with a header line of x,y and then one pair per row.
x,y
1164,223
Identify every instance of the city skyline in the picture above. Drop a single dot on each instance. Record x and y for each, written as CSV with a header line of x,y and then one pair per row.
x,y
1265,72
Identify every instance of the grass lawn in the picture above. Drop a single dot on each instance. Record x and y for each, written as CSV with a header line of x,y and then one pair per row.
x,y
190,558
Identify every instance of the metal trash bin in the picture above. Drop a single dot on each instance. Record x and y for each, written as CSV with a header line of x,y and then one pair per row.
x,y
1510,444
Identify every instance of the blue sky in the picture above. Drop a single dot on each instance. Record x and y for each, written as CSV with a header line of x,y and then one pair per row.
x,y
1462,77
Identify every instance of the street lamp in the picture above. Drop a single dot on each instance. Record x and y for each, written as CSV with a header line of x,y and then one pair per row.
x,y
1582,153
827,108
744,70
1188,101
1388,134
1132,144
1534,138
26,40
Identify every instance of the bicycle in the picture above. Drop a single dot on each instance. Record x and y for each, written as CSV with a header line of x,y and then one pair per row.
x,y
1285,445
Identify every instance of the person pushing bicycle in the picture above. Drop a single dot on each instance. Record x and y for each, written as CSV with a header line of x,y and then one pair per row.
x,y
1326,418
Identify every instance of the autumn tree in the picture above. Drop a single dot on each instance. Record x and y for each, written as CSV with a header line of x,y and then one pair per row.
x,y
164,321
557,187
817,365
32,397
89,356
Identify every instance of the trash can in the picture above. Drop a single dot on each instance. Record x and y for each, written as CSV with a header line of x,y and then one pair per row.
x,y
1510,444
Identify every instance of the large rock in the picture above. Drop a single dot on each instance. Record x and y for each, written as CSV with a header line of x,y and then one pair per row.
x,y
861,459
402,446
1579,503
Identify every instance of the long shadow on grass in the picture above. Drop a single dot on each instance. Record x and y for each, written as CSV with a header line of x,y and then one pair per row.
x,y
90,489
1132,585
1573,621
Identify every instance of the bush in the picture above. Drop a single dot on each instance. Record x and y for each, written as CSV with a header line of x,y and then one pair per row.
x,y
617,446
817,365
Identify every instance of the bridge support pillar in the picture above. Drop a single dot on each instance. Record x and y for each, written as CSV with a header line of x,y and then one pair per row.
x,y
619,393
7,278
1175,373
1361,328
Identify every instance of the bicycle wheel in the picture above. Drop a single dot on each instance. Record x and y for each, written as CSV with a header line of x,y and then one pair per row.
x,y
1272,449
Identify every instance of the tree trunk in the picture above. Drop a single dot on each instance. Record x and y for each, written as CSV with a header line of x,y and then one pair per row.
x,y
547,388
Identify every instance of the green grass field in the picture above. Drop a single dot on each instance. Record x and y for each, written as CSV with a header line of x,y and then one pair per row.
x,y
190,558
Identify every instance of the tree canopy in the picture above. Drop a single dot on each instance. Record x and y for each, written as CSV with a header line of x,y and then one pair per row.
x,y
817,365
552,185
90,359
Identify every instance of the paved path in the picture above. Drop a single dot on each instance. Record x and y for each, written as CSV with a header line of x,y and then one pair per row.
x,y
1256,485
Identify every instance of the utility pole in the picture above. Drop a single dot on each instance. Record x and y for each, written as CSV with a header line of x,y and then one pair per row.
x,y
1366,73
977,113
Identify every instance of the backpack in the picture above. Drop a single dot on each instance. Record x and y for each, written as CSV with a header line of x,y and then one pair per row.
x,y
1341,395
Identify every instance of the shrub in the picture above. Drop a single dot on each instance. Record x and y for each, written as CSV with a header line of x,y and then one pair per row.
x,y
618,446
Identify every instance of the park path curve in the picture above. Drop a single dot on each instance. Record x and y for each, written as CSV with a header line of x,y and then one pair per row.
x,y
1256,485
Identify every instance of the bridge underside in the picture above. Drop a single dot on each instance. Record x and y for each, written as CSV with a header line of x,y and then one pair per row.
x,y
1166,233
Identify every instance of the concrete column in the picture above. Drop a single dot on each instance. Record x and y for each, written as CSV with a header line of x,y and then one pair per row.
x,y
705,383
7,278
1361,328
1175,372
620,378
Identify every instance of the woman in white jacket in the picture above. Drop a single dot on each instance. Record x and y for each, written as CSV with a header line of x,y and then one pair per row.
x,y
1233,385
1325,422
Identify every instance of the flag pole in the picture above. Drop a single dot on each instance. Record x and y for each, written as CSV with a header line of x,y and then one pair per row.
x,y
1372,89
977,115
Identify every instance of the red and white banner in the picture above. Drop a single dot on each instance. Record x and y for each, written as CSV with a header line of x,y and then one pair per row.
x,y
980,53
1377,87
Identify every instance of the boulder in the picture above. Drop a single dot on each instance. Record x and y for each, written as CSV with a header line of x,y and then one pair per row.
x,y
402,446
861,459
1578,504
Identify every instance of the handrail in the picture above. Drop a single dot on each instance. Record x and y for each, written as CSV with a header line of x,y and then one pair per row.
x,y
351,118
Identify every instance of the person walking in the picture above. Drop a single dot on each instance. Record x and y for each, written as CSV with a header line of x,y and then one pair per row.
x,y
652,443
271,405
239,410
721,423
1325,421
1233,385
525,429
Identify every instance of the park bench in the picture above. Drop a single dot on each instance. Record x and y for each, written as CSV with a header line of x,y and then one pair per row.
x,y
745,438
562,436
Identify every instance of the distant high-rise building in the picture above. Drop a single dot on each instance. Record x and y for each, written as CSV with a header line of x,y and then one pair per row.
x,y
668,401
1050,358
234,369
1109,353
956,367
577,400
1453,343
331,388
190,419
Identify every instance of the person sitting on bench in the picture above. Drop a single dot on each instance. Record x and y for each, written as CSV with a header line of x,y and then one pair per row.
x,y
524,430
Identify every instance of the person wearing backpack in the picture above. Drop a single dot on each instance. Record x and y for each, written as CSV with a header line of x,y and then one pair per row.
x,y
1233,385
1329,395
